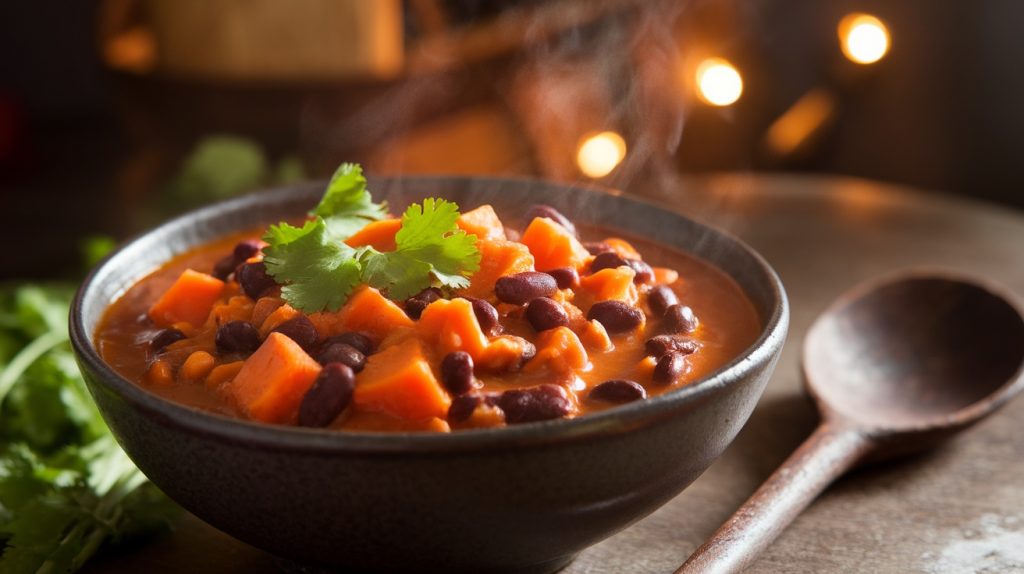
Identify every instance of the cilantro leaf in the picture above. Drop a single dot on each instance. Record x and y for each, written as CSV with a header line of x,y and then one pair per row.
x,y
316,270
347,206
400,275
429,247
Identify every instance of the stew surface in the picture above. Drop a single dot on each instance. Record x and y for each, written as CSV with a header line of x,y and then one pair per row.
x,y
611,321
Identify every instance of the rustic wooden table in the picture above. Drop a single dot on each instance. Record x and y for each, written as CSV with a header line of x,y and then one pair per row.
x,y
960,509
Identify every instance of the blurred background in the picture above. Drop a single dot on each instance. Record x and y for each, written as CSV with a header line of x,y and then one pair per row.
x,y
116,114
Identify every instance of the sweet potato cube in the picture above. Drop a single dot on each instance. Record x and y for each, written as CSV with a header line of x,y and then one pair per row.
x,y
611,283
366,311
497,259
270,385
482,222
378,234
552,246
398,381
560,350
190,299
451,325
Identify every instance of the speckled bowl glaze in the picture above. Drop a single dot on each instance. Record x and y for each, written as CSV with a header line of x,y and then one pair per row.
x,y
520,499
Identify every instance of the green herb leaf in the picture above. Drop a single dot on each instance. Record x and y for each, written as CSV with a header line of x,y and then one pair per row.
x,y
429,248
66,487
347,206
316,270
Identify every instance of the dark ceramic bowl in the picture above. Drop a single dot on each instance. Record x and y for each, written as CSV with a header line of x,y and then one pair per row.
x,y
520,499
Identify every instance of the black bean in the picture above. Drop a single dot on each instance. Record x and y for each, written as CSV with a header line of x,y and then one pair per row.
x,y
616,316
618,391
540,403
165,337
669,368
643,273
486,315
660,298
544,314
359,341
663,344
679,318
299,329
606,260
597,247
237,337
342,353
254,279
224,267
246,249
415,305
462,407
565,277
330,394
541,210
524,287
457,372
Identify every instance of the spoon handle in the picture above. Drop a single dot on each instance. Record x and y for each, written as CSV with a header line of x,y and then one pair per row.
x,y
825,455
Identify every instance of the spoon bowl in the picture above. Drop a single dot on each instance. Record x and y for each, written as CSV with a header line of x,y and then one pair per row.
x,y
917,352
896,366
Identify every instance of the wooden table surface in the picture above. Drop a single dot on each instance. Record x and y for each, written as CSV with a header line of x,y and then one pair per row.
x,y
959,509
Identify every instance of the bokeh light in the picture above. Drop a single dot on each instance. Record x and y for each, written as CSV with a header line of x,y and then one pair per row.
x,y
863,38
600,153
719,82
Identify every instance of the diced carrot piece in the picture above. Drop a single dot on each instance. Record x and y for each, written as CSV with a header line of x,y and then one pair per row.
x,y
560,350
264,307
366,311
278,316
611,283
482,222
595,336
552,246
398,381
238,308
223,373
665,276
451,325
622,247
160,373
497,259
377,234
196,366
270,385
189,299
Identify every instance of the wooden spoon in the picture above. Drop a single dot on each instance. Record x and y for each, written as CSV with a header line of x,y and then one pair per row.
x,y
895,366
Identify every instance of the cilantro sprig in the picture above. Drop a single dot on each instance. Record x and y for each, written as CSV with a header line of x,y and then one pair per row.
x,y
66,487
318,271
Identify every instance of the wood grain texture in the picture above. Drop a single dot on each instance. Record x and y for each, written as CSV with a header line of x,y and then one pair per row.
x,y
823,235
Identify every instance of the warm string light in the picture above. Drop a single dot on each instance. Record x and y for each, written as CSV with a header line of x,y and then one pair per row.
x,y
718,82
599,154
863,38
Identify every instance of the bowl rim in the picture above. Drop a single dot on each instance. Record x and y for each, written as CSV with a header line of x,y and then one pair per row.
x,y
287,438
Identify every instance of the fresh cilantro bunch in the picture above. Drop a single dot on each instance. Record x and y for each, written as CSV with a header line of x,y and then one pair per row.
x,y
66,487
318,271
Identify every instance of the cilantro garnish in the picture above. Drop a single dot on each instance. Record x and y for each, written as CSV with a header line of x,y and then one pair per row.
x,y
318,271
429,247
347,206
